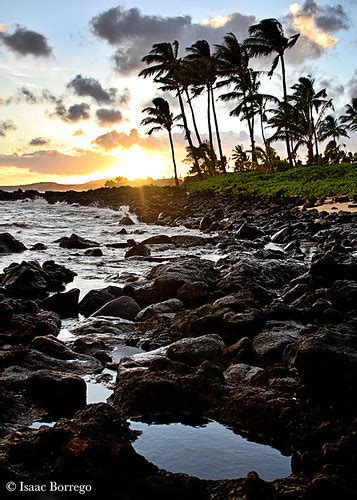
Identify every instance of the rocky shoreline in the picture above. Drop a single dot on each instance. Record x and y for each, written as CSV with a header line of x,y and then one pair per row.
x,y
263,341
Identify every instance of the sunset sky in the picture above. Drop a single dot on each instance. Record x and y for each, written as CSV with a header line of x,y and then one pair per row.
x,y
71,101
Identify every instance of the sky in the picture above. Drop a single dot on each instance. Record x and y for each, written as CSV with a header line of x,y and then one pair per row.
x,y
71,100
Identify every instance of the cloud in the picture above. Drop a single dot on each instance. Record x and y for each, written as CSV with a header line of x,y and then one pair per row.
x,y
115,139
317,25
6,126
330,18
352,86
54,162
26,42
78,132
39,141
132,33
25,94
107,116
73,113
90,87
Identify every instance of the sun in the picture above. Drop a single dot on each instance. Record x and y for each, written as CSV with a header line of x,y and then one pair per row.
x,y
137,163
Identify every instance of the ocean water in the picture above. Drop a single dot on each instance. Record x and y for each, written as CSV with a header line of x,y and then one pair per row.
x,y
38,222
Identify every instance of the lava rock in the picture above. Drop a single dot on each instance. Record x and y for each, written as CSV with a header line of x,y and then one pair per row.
x,y
159,239
122,307
196,350
75,241
249,232
139,250
94,252
96,298
65,304
170,306
59,393
9,244
126,221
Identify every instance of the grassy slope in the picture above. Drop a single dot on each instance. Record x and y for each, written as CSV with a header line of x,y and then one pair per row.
x,y
327,180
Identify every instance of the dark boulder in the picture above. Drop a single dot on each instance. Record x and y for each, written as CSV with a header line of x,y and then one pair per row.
x,y
249,232
194,351
75,241
122,307
159,239
21,321
30,280
38,246
139,250
65,304
164,280
126,221
168,307
94,252
58,393
95,299
53,347
9,244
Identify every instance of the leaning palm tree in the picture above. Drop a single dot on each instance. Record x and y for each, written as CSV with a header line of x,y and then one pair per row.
x,y
161,117
163,65
268,38
350,118
205,62
329,128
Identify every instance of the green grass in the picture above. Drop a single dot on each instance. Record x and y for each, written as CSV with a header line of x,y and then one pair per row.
x,y
319,181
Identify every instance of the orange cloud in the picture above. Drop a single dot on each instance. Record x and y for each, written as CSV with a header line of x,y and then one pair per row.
x,y
115,139
54,162
306,25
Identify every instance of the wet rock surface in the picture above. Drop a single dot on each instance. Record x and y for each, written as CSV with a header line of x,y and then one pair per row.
x,y
261,339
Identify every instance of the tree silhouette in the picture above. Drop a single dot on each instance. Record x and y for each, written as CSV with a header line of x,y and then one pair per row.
x,y
268,38
161,117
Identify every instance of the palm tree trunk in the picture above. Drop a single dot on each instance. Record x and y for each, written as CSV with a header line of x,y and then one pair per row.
x,y
310,132
219,142
288,149
262,129
188,133
173,158
270,166
250,128
316,141
198,137
210,136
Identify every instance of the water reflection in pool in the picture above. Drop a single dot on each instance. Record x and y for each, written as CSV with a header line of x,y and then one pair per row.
x,y
210,451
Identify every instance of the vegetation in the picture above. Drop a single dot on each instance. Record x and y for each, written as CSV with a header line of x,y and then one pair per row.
x,y
159,118
319,181
296,117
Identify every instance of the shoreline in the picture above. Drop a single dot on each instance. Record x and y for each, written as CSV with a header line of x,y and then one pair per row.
x,y
236,340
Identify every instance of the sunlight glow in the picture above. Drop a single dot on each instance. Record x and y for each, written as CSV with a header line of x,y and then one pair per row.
x,y
216,22
135,163
307,26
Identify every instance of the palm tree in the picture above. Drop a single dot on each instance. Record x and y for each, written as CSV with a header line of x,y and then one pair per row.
x,y
206,67
331,128
232,62
289,125
350,118
241,159
161,117
164,64
308,100
267,38
205,157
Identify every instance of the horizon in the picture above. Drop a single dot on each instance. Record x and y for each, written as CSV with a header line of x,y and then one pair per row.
x,y
71,100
